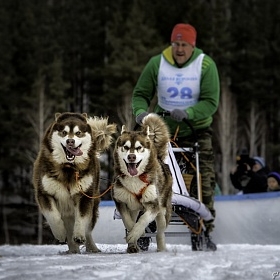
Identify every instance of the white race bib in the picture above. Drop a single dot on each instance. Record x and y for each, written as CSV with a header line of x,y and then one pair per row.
x,y
179,88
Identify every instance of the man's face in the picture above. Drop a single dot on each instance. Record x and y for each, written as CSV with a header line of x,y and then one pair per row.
x,y
181,51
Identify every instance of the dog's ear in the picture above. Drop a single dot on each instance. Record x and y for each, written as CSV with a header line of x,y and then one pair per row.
x,y
85,115
56,116
123,129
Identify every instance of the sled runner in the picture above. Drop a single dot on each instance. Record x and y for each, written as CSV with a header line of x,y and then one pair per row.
x,y
187,212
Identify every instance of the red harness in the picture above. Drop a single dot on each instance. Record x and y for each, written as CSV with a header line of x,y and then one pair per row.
x,y
144,178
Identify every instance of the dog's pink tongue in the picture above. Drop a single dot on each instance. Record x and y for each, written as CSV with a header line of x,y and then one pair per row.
x,y
74,151
132,169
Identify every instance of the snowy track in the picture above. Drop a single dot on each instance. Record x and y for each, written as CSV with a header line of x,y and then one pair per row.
x,y
28,262
241,226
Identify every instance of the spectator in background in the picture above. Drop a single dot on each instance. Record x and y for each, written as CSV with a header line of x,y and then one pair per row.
x,y
273,182
250,176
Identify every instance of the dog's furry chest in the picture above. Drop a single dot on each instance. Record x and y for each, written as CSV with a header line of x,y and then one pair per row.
x,y
64,192
67,173
69,177
134,192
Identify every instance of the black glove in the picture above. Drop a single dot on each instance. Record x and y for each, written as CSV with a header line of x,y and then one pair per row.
x,y
140,117
178,115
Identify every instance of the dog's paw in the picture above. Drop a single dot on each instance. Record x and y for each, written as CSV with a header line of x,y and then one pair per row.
x,y
92,248
69,252
132,248
74,251
94,251
79,239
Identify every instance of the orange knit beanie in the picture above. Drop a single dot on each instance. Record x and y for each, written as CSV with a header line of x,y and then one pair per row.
x,y
184,32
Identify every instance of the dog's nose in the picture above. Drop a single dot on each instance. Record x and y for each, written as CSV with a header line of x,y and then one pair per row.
x,y
70,142
131,157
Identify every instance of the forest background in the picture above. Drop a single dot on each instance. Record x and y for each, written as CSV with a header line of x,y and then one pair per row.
x,y
86,56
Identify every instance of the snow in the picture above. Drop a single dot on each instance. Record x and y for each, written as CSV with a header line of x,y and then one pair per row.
x,y
230,261
246,233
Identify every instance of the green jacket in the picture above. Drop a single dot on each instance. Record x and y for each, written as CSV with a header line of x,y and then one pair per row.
x,y
200,115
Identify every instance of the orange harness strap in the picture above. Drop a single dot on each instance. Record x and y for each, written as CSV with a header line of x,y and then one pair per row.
x,y
144,178
91,197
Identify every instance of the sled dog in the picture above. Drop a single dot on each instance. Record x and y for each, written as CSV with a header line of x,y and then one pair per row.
x,y
142,181
66,176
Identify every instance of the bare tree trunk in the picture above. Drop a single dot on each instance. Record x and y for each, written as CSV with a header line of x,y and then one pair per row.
x,y
227,131
41,135
5,224
251,130
263,142
256,132
37,120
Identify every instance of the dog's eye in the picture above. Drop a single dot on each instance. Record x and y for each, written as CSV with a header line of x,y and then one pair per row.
x,y
139,148
126,148
64,133
78,133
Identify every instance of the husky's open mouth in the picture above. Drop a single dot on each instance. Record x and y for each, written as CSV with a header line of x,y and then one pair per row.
x,y
71,152
132,168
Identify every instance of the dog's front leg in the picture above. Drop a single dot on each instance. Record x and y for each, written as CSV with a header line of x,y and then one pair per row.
x,y
161,227
150,204
90,244
83,208
53,216
128,216
69,225
139,228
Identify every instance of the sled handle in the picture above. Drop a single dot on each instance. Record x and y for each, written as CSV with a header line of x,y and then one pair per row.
x,y
186,121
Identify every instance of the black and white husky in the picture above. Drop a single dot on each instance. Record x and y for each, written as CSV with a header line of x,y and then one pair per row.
x,y
143,181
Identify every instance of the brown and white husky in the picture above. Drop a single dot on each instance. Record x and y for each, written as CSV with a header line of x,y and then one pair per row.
x,y
143,181
66,176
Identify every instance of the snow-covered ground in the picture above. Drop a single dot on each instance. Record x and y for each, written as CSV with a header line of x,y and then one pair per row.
x,y
27,262
247,233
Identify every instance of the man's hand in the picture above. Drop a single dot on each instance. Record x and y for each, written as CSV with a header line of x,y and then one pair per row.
x,y
178,115
140,117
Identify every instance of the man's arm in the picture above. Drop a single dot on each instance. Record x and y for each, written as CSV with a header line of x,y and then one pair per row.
x,y
145,88
209,92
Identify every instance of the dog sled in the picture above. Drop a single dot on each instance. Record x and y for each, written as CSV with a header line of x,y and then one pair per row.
x,y
188,213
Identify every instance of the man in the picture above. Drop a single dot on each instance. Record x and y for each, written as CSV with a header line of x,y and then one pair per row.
x,y
186,82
